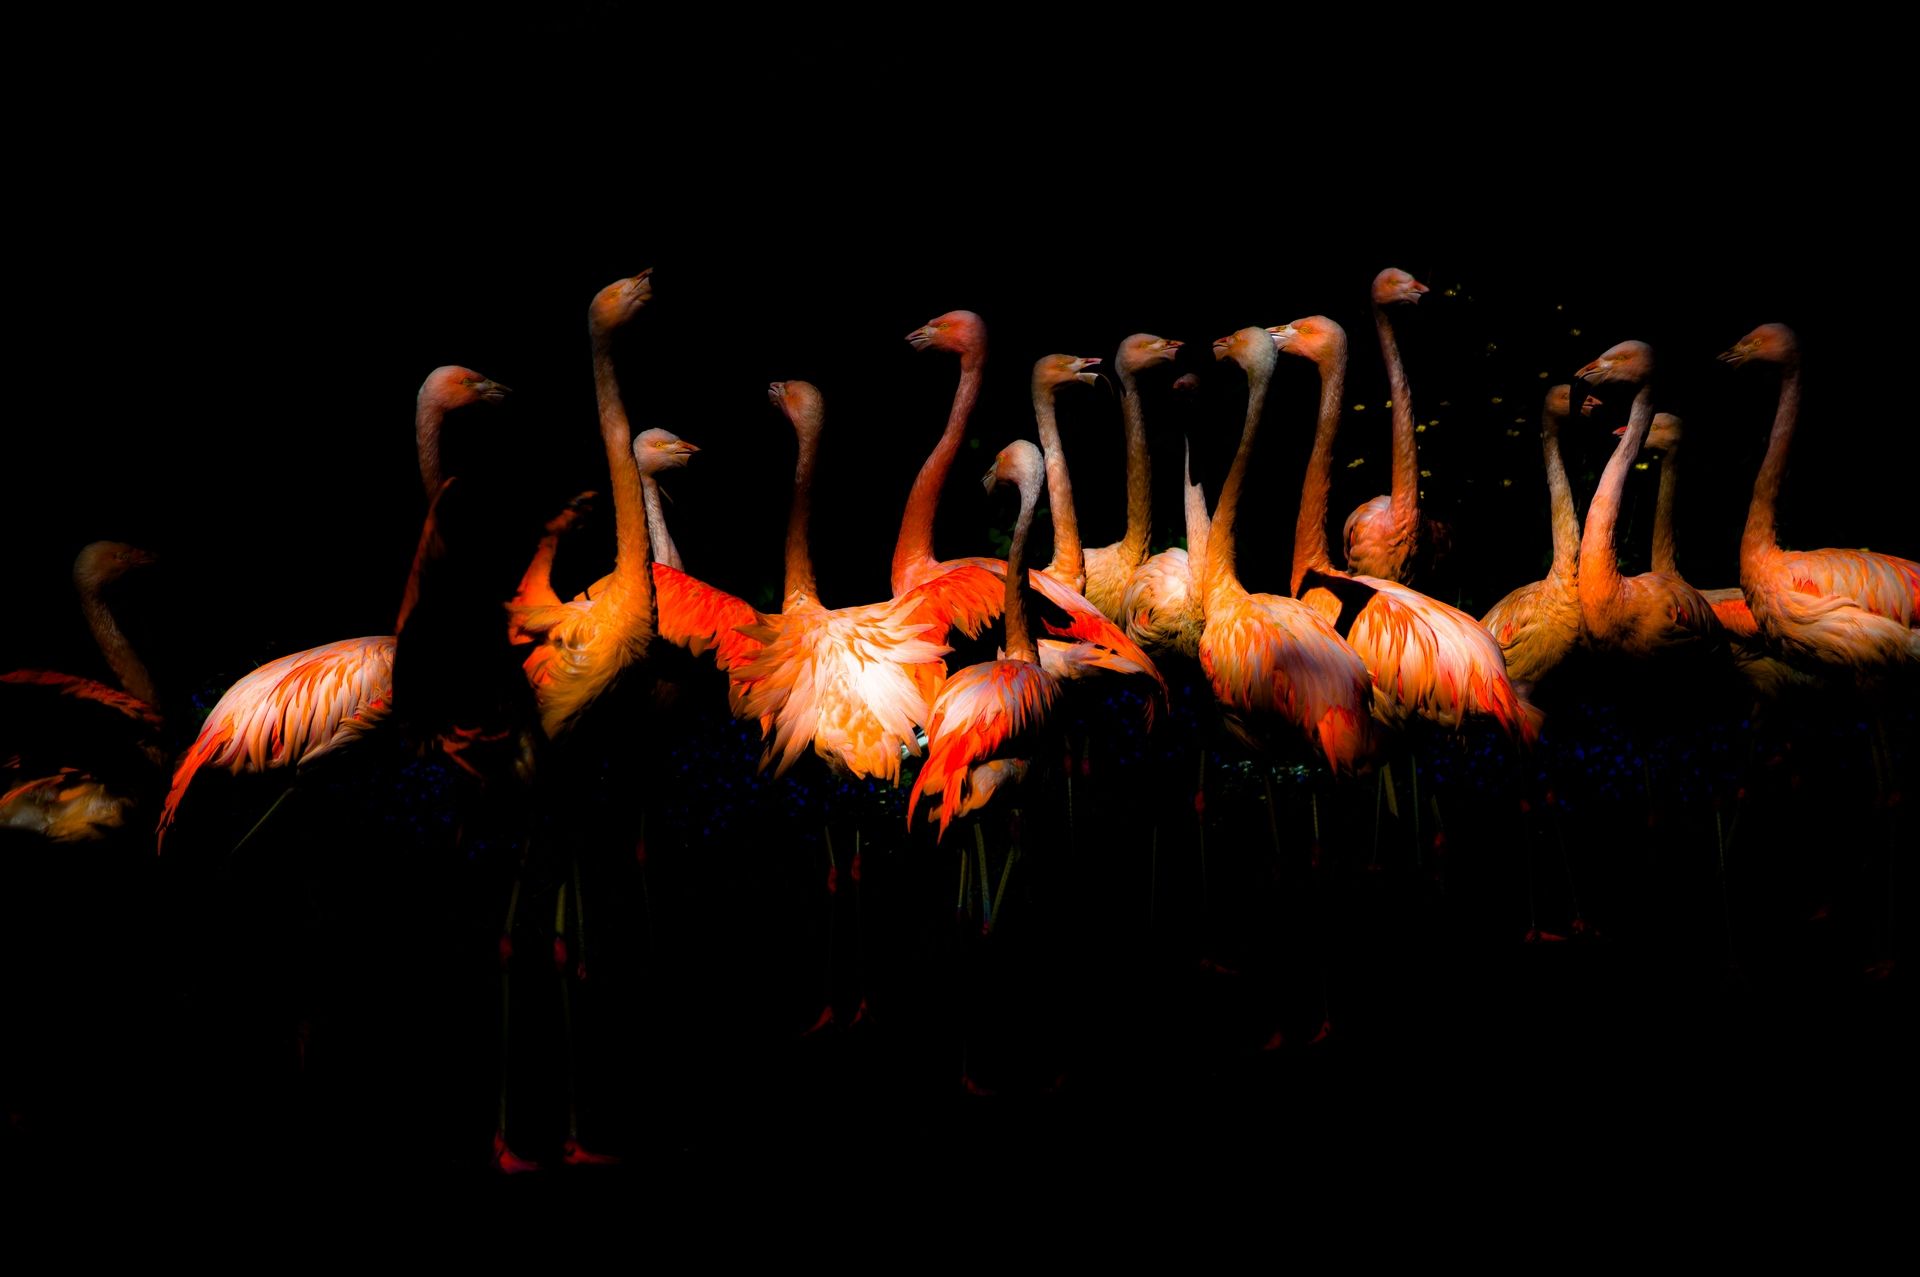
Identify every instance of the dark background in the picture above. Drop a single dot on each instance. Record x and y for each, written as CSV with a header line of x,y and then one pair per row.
x,y
241,263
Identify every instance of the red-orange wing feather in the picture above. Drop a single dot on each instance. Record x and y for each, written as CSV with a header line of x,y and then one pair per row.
x,y
994,711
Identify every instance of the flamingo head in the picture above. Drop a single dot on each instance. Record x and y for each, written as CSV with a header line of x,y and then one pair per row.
x,y
1051,371
1774,343
1629,363
1588,404
1144,350
802,403
1560,401
1395,285
1019,463
1316,337
960,331
1662,436
452,386
105,561
620,301
1251,348
1187,381
658,450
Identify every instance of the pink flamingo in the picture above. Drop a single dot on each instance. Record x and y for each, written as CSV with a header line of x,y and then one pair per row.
x,y
1111,568
1538,624
1386,536
1655,614
1426,660
1848,610
1272,660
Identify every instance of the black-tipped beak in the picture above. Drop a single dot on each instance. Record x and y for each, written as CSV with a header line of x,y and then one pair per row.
x,y
493,391
1586,373
1588,404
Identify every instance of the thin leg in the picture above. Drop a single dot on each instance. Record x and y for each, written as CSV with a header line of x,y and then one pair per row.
x,y
504,1158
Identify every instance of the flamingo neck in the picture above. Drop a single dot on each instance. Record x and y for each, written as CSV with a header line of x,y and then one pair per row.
x,y
1758,541
1663,557
1566,523
1133,547
658,538
1020,645
1406,457
1069,561
1194,506
632,572
1599,566
914,549
428,415
800,587
1310,527
124,661
1220,547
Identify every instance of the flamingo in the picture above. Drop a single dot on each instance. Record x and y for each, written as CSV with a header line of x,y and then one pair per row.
x,y
989,720
1111,568
1385,536
55,720
1272,660
852,682
1656,614
1769,676
295,710
1851,611
1426,660
1538,624
1163,605
967,593
1050,372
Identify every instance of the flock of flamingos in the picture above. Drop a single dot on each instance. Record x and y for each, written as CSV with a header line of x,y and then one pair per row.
x,y
1344,662
1346,665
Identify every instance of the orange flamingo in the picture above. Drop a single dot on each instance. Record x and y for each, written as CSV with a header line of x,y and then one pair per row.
x,y
967,593
1769,676
853,682
1111,568
1164,603
1050,372
1426,660
1386,536
1655,614
305,706
1273,660
1538,624
989,720
1848,610
55,720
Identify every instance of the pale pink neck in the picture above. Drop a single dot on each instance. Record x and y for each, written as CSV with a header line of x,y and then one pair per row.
x,y
658,538
125,663
1599,565
1406,457
1310,526
1220,547
1069,561
914,549
1566,524
632,571
1663,556
1020,645
800,587
1133,547
1194,506
427,418
1758,541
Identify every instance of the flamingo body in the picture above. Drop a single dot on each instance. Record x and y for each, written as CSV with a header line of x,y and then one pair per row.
x,y
986,723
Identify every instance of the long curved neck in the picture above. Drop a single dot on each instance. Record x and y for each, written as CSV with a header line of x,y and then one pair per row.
x,y
1566,524
632,572
915,545
1069,562
1133,547
799,580
1759,539
1220,547
1020,646
658,538
1663,560
427,418
1310,527
1599,566
1406,458
126,664
1194,506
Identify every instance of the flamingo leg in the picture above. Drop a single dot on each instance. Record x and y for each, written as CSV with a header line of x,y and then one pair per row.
x,y
504,1158
260,824
861,1012
573,1153
833,883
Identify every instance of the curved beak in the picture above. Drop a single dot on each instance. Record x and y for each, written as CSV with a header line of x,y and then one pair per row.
x,y
685,449
1587,372
1283,335
777,394
642,285
1737,356
492,391
992,476
1587,406
1618,431
1221,345
921,337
